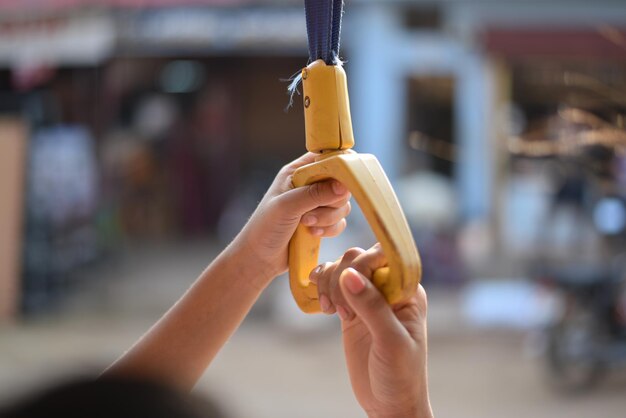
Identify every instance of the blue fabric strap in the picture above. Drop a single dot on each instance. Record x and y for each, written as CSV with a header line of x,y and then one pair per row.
x,y
323,24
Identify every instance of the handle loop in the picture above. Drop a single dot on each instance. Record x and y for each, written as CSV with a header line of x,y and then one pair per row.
x,y
366,180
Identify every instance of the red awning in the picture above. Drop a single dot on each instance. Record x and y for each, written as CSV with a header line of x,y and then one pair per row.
x,y
603,42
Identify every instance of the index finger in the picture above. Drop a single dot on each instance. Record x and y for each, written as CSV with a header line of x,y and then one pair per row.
x,y
305,159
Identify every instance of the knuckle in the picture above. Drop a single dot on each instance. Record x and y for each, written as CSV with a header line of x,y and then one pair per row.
x,y
363,264
315,193
335,292
285,170
352,253
360,266
334,285
328,216
341,226
376,256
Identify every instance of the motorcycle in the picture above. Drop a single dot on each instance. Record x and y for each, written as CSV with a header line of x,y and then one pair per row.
x,y
586,336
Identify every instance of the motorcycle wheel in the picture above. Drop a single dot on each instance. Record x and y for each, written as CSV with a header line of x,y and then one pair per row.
x,y
574,350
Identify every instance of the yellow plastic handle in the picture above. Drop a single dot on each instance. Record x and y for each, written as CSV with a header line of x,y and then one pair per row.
x,y
366,180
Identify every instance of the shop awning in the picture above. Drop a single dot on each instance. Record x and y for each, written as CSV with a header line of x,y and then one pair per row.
x,y
603,41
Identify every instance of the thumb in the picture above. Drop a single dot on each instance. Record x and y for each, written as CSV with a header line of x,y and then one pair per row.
x,y
370,306
298,201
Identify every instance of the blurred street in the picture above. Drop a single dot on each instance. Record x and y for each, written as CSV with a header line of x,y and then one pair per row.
x,y
269,369
137,137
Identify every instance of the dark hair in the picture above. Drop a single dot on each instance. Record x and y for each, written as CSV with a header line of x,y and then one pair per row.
x,y
111,398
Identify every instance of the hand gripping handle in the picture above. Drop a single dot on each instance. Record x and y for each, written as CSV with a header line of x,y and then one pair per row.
x,y
366,180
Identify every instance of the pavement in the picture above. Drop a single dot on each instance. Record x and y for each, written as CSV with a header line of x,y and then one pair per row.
x,y
274,367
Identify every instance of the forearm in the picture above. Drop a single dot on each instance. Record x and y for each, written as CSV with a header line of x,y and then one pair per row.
x,y
181,345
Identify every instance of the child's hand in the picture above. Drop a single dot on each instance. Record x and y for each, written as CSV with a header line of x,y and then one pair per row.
x,y
180,346
321,206
385,346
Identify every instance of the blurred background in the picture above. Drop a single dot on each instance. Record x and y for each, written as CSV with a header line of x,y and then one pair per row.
x,y
137,136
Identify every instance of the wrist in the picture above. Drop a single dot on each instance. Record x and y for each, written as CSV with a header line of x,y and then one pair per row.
x,y
249,266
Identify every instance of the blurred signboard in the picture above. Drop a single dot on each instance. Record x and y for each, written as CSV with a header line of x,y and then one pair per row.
x,y
269,29
54,40
89,37
149,26
56,5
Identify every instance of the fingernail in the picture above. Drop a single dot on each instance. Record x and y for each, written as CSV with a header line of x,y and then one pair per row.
x,y
354,282
313,274
324,303
339,188
317,231
343,314
309,220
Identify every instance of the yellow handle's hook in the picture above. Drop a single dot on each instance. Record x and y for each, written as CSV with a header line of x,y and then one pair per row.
x,y
329,132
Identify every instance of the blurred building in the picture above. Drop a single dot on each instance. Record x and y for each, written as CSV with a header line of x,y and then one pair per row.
x,y
470,60
182,101
164,112
446,86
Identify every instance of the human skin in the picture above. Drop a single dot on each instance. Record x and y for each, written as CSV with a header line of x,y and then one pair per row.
x,y
385,346
181,345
